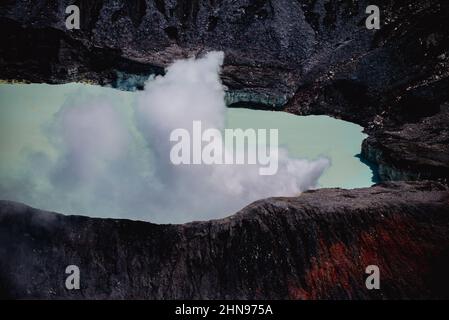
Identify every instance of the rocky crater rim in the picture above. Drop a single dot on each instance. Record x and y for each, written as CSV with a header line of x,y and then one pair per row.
x,y
410,193
315,246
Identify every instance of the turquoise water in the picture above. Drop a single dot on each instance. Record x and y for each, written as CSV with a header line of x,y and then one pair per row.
x,y
311,137
30,145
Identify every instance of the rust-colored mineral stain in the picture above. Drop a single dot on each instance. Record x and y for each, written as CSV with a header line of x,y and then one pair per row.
x,y
395,245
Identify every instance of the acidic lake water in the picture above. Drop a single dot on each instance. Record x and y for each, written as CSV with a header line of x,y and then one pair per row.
x,y
46,153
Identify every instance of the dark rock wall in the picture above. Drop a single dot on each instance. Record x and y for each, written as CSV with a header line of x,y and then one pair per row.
x,y
414,151
273,47
315,246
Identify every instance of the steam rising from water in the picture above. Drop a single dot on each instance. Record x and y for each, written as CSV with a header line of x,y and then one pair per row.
x,y
108,164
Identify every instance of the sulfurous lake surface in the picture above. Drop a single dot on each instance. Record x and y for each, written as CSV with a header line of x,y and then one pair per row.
x,y
73,163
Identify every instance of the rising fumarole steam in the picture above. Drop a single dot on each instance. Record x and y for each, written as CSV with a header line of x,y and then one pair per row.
x,y
114,162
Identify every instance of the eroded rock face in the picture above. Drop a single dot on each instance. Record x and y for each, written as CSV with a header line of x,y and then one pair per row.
x,y
414,151
315,246
318,50
265,41
398,75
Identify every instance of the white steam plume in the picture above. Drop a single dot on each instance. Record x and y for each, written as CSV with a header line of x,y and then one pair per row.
x,y
111,165
191,90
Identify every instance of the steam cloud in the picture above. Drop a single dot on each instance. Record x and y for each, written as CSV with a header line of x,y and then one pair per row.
x,y
117,166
